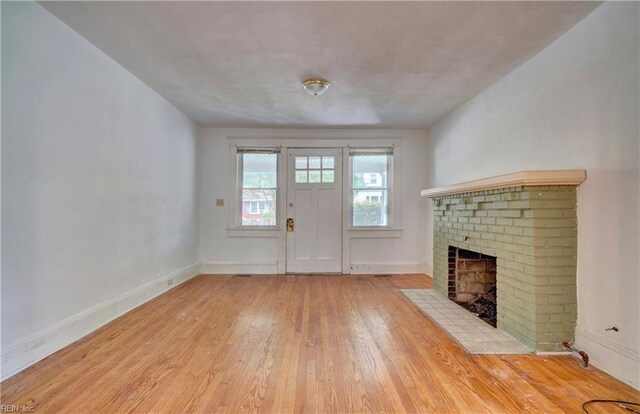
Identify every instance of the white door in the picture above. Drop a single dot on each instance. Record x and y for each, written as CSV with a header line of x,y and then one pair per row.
x,y
314,210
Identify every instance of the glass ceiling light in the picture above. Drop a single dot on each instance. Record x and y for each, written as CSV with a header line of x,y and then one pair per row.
x,y
316,86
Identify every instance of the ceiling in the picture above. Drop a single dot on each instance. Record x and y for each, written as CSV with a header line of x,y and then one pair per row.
x,y
390,64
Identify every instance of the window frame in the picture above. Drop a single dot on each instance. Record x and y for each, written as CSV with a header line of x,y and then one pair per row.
x,y
391,153
236,187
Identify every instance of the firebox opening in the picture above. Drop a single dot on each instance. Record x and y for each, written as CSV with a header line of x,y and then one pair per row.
x,y
472,282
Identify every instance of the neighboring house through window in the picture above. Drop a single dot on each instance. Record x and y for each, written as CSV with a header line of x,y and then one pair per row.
x,y
257,207
371,179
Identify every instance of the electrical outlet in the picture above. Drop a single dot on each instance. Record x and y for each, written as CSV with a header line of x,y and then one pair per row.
x,y
170,282
220,202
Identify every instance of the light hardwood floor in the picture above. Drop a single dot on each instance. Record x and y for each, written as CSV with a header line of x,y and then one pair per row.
x,y
285,344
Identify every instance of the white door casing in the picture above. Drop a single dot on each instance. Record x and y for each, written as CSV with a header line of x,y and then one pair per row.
x,y
314,202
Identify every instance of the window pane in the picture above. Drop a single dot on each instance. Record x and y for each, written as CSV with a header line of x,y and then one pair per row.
x,y
370,207
327,176
328,162
301,176
258,207
314,162
314,175
259,170
370,171
301,163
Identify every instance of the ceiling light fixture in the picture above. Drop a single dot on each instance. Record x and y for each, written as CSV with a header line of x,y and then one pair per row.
x,y
316,86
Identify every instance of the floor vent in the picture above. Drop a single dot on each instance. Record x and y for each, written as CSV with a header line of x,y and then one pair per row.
x,y
245,275
382,275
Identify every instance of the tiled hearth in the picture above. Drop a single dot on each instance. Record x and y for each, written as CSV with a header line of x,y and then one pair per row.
x,y
475,335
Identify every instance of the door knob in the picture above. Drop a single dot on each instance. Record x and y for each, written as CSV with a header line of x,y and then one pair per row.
x,y
290,225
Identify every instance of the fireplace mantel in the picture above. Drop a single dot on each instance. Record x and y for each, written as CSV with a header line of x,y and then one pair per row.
x,y
522,178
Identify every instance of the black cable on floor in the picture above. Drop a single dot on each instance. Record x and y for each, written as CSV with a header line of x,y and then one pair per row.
x,y
622,404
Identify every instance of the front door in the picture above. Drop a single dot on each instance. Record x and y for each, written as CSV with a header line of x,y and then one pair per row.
x,y
314,210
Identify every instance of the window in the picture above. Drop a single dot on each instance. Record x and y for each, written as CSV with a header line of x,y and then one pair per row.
x,y
315,170
370,188
258,170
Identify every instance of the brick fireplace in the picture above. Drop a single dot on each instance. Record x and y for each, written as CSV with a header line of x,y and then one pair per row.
x,y
531,231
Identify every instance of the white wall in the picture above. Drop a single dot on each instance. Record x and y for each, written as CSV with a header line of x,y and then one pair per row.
x,y
574,105
99,190
222,254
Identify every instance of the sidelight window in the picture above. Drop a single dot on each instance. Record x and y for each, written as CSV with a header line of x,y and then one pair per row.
x,y
370,187
258,170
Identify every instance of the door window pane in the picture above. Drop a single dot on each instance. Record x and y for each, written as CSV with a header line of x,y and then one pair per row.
x,y
315,170
328,162
301,163
314,176
314,162
301,176
328,176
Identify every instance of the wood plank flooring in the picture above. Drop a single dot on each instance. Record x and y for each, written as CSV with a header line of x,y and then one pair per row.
x,y
289,344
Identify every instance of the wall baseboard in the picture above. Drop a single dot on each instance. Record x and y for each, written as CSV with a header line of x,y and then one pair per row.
x,y
429,269
232,268
621,361
44,343
387,268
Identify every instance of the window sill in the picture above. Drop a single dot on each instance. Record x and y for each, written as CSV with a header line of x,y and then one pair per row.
x,y
374,233
268,232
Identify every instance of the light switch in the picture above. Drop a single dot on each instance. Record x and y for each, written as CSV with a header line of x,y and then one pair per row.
x,y
220,202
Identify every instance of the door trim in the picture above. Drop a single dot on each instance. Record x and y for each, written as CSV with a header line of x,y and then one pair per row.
x,y
345,266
